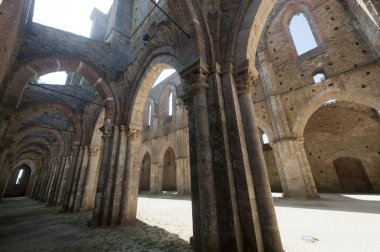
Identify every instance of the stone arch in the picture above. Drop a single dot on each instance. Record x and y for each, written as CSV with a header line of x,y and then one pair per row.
x,y
45,107
25,133
251,25
146,78
145,172
169,170
33,69
267,129
317,101
17,187
352,174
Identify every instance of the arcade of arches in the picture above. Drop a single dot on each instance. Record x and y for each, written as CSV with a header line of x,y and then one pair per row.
x,y
108,133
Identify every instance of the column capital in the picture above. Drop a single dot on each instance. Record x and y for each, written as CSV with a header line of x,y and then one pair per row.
x,y
245,79
133,133
195,79
107,130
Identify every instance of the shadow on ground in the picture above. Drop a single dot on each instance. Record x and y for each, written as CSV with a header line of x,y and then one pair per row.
x,y
334,202
26,225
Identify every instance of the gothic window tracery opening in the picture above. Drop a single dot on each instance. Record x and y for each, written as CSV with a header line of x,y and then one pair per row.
x,y
301,33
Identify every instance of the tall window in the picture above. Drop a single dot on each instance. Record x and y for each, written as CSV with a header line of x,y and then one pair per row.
x,y
19,176
302,35
150,115
170,113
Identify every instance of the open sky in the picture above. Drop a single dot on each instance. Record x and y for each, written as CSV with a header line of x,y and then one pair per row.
x,y
74,16
69,15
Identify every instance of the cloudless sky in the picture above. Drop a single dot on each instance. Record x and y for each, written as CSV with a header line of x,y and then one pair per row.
x,y
69,15
302,35
73,16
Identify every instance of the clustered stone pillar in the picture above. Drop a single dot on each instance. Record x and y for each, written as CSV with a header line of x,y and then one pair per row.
x,y
91,177
98,213
265,207
131,179
295,173
205,222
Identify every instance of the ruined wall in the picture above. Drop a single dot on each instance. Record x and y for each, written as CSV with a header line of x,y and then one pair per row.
x,y
349,62
338,130
166,132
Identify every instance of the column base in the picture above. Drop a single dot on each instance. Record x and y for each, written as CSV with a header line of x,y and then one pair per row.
x,y
126,222
296,195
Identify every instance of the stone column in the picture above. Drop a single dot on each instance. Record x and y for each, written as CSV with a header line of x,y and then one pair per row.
x,y
70,177
75,179
294,169
206,230
290,153
57,183
91,178
42,187
119,177
110,181
97,217
263,195
131,179
53,171
82,177
155,178
64,181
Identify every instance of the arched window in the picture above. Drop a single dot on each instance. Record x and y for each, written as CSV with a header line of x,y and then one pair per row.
x,y
19,176
265,139
319,78
150,115
302,35
170,113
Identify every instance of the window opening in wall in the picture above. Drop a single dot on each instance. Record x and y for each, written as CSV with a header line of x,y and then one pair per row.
x,y
265,139
150,115
69,15
170,104
319,78
302,35
19,176
56,78
332,101
164,75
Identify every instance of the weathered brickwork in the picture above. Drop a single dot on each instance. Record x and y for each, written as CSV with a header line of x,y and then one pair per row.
x,y
90,144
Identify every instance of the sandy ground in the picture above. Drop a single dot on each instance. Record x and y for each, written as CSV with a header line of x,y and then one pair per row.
x,y
334,223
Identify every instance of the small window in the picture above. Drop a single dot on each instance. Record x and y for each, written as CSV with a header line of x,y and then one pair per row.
x,y
56,78
302,35
265,139
319,78
170,113
332,101
150,115
19,176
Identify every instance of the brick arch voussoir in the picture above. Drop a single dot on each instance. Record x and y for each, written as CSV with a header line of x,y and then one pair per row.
x,y
315,102
143,83
32,70
29,131
46,107
249,28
